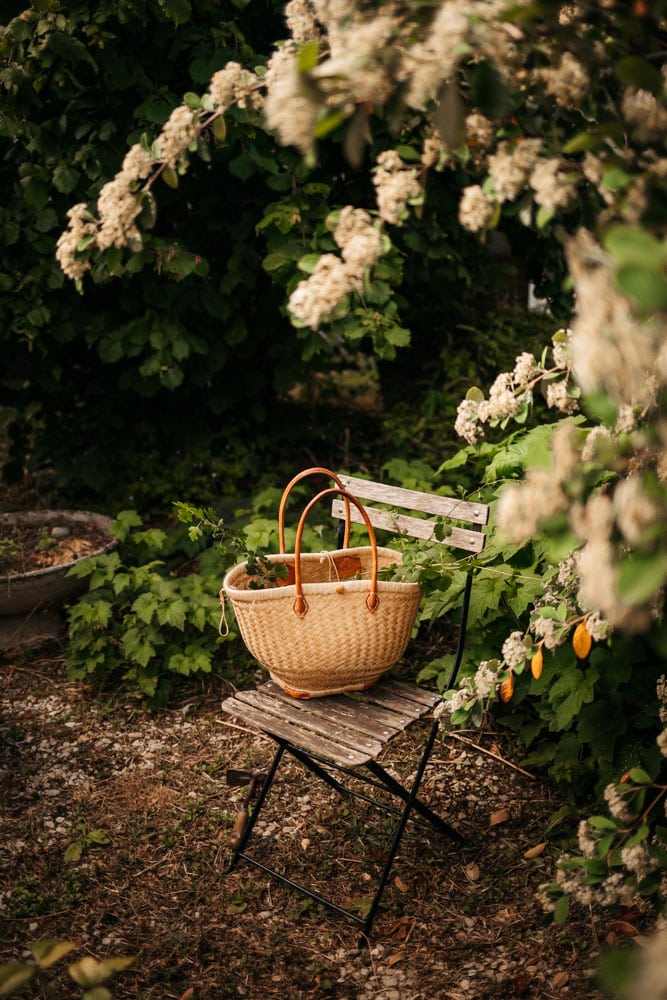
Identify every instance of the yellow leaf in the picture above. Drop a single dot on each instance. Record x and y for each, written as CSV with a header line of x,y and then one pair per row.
x,y
507,687
537,663
582,641
499,816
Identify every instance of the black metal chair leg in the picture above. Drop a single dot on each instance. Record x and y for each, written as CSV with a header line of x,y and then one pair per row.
x,y
252,818
399,831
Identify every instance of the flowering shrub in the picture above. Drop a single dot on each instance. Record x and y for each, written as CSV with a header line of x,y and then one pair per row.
x,y
623,856
551,117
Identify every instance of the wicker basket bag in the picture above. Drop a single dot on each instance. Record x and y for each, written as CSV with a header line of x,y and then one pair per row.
x,y
336,627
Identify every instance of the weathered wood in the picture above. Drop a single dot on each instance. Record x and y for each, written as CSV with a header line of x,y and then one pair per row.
x,y
429,503
403,524
267,722
372,719
412,692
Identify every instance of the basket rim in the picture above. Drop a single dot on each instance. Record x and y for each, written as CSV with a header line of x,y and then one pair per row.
x,y
324,587
329,587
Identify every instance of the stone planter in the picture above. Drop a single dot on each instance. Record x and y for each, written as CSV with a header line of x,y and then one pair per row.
x,y
30,592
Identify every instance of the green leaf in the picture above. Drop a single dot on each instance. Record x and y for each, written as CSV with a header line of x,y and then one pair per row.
x,y
219,126
615,179
13,975
639,776
65,178
170,177
602,823
308,56
593,137
98,837
308,262
145,607
648,288
543,217
97,993
48,952
330,121
561,910
73,852
173,614
178,11
632,245
639,73
640,576
242,166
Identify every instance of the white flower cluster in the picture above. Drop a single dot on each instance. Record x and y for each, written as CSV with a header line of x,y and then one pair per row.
x,y
510,390
433,59
177,132
395,186
79,227
479,134
522,506
118,206
514,650
360,65
611,349
511,166
475,209
301,21
641,110
232,85
661,688
478,688
315,298
568,82
553,187
287,110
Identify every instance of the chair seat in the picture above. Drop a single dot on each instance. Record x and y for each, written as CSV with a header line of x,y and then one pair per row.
x,y
349,729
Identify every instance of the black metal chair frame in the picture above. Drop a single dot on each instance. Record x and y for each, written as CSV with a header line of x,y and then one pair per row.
x,y
378,778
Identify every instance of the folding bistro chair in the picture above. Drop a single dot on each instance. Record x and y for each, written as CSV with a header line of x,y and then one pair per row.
x,y
346,734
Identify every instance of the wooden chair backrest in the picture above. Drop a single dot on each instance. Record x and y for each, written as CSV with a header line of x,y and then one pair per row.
x,y
461,512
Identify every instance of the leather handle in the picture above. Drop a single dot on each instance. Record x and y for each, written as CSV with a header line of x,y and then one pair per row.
x,y
316,470
300,606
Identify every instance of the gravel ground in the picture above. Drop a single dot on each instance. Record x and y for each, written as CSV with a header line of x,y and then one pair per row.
x,y
114,834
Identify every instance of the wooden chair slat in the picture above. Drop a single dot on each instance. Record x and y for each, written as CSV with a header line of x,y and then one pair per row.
x,y
266,721
372,719
403,524
398,496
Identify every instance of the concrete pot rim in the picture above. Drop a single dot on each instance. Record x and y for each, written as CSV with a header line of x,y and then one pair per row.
x,y
22,593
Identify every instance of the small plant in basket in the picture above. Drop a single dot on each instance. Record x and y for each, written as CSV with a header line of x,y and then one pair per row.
x,y
205,521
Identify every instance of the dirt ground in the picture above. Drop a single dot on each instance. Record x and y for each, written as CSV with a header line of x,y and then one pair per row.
x,y
114,834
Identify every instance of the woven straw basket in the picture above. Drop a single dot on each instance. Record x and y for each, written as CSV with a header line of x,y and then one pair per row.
x,y
326,633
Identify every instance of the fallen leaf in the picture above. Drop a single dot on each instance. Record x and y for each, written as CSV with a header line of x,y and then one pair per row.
x,y
534,852
499,816
188,995
401,928
394,959
622,927
400,884
560,979
472,872
520,984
